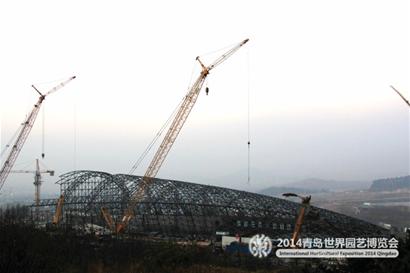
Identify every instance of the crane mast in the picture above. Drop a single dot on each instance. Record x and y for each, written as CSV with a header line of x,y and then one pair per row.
x,y
25,131
37,183
37,179
172,133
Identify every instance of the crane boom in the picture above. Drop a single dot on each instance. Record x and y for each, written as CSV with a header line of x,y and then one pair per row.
x,y
24,132
173,131
59,210
108,218
301,215
401,96
183,113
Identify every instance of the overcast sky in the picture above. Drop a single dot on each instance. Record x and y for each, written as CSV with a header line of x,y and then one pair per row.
x,y
318,75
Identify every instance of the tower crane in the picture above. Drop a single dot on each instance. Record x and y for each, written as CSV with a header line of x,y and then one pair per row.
x,y
169,139
25,131
37,181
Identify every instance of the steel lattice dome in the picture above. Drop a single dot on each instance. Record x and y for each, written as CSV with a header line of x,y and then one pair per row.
x,y
176,207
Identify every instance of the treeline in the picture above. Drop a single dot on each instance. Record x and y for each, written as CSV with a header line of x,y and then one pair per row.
x,y
391,184
24,248
14,214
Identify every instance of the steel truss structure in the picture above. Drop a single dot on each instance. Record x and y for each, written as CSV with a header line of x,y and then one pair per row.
x,y
178,208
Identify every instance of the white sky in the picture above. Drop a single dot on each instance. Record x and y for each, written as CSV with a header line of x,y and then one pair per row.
x,y
319,75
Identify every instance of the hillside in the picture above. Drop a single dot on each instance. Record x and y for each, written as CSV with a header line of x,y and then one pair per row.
x,y
277,191
391,184
317,184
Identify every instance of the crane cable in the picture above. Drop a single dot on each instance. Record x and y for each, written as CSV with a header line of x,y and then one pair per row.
x,y
152,143
217,50
249,106
42,132
249,118
43,118
75,131
165,125
11,140
161,130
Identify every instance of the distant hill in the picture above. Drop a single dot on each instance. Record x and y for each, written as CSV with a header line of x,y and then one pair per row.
x,y
317,184
278,191
260,180
391,184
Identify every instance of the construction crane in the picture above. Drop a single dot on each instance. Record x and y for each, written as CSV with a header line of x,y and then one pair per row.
x,y
301,215
25,131
397,91
108,219
37,181
59,210
170,137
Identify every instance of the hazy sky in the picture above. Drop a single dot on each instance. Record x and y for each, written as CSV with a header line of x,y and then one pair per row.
x,y
318,74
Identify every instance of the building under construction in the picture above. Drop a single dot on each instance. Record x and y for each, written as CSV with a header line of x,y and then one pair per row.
x,y
126,203
182,209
